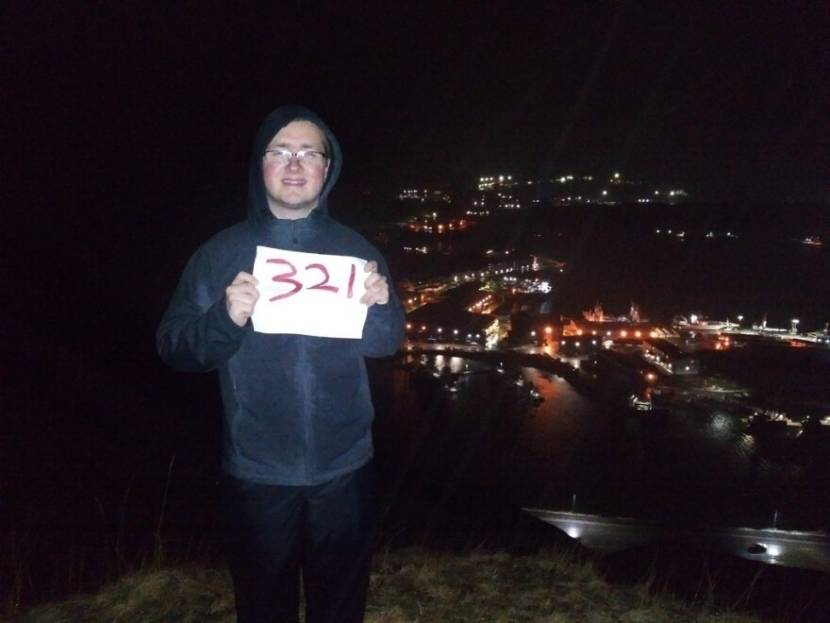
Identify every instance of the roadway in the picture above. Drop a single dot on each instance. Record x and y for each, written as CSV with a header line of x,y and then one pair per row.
x,y
807,550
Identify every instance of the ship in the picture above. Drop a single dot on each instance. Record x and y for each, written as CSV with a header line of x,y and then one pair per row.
x,y
699,325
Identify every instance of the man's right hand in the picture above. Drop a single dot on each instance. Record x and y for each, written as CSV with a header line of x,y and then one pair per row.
x,y
241,297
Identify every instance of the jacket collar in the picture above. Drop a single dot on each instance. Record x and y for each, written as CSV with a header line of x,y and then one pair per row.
x,y
295,229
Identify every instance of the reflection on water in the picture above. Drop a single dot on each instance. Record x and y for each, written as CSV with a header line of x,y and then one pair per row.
x,y
456,365
525,436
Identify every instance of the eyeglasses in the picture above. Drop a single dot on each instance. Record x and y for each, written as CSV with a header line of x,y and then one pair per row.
x,y
304,156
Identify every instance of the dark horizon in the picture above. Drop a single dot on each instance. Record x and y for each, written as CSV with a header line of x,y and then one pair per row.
x,y
723,103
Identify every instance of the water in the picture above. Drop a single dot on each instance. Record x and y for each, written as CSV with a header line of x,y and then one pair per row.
x,y
569,452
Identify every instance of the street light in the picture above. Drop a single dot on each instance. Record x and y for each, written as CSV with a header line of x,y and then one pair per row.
x,y
794,324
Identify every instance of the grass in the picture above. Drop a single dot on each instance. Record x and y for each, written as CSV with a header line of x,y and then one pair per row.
x,y
412,585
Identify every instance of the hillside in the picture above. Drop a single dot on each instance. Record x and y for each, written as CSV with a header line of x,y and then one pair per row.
x,y
408,586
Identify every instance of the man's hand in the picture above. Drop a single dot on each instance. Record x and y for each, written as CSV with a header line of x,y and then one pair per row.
x,y
241,297
377,290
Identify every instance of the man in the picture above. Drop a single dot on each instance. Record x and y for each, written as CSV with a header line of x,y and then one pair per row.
x,y
298,484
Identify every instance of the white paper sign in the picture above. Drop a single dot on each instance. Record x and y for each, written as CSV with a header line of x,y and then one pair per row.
x,y
309,293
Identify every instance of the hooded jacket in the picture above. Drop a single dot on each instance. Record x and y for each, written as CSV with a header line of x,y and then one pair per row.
x,y
297,409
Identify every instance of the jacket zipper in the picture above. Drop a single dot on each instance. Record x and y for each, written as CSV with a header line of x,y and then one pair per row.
x,y
308,436
308,433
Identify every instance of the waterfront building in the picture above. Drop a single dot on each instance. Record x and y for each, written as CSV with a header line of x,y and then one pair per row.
x,y
613,328
445,321
670,357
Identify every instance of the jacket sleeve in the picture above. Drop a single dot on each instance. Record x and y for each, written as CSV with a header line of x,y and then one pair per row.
x,y
196,333
383,331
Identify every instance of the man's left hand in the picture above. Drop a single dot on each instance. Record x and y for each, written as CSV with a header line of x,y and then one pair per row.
x,y
377,290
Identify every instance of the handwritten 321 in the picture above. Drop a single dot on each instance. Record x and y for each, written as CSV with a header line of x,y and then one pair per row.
x,y
314,272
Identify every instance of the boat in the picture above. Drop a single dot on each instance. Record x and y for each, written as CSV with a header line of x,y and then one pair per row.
x,y
700,325
640,404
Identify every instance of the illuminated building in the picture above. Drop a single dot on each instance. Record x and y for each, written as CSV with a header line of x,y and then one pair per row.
x,y
432,223
424,195
596,322
670,357
446,322
495,181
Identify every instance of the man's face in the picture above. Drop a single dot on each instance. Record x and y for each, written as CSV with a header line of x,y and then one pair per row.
x,y
293,188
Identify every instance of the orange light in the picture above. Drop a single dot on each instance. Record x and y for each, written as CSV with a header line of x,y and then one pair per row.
x,y
408,325
638,334
623,333
548,329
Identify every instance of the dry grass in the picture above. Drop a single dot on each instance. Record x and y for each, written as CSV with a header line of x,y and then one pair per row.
x,y
186,594
407,586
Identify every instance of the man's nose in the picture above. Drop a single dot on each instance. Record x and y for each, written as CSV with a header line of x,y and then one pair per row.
x,y
293,163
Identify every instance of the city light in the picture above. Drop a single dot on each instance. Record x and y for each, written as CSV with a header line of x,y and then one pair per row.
x,y
659,369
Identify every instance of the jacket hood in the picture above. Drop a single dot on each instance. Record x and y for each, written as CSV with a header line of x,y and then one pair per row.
x,y
257,203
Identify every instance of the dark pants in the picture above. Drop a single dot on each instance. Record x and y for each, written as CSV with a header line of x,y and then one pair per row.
x,y
326,530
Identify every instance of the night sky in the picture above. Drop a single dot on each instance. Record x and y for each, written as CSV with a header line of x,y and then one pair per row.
x,y
127,131
725,102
